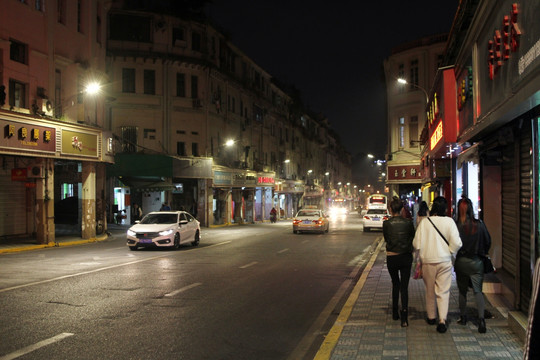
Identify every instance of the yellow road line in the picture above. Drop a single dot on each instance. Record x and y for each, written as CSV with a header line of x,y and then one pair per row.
x,y
329,343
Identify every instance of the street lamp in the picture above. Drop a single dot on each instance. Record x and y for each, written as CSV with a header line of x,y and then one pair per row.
x,y
405,82
229,143
93,89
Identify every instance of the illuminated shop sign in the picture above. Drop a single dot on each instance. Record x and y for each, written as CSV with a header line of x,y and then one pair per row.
x,y
505,40
404,172
464,89
433,111
28,136
265,180
436,136
77,143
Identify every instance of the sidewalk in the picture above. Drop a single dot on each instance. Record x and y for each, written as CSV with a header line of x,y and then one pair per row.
x,y
365,328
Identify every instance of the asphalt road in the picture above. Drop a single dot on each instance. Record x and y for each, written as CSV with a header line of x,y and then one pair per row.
x,y
246,292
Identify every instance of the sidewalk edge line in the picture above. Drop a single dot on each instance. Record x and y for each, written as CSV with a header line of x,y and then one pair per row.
x,y
325,351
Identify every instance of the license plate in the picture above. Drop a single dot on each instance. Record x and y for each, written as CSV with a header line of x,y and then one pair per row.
x,y
375,219
307,221
145,241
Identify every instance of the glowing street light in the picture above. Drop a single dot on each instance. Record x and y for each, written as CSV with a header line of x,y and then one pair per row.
x,y
229,143
405,82
93,88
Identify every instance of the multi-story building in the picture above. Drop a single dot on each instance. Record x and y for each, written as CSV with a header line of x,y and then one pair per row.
x,y
53,148
410,70
202,126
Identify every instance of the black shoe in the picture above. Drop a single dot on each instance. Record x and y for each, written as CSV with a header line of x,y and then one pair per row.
x,y
481,326
431,321
442,327
404,321
462,320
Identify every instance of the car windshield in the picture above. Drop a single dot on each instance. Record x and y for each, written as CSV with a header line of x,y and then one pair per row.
x,y
159,219
310,213
376,212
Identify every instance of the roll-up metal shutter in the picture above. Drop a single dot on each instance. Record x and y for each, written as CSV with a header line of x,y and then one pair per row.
x,y
510,192
526,226
12,205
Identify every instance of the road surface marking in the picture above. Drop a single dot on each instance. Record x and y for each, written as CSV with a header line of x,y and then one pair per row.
x,y
36,346
331,339
305,241
282,251
183,289
98,270
248,265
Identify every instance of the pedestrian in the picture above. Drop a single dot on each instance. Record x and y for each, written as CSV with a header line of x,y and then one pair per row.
x,y
137,212
398,234
423,210
437,241
165,207
469,266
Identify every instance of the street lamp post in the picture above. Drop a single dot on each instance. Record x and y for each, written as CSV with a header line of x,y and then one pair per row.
x,y
405,82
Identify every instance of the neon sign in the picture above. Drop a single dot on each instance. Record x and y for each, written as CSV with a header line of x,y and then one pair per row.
x,y
504,41
436,136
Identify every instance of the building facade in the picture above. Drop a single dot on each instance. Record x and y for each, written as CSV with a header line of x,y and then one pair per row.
x,y
53,146
201,126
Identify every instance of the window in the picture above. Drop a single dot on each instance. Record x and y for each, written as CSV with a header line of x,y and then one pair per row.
x,y
196,41
150,82
195,149
129,139
181,148
150,134
17,94
180,85
40,5
413,132
177,36
414,74
128,80
79,16
194,87
401,132
18,51
61,11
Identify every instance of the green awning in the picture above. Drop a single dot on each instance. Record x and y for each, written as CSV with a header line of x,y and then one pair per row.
x,y
141,165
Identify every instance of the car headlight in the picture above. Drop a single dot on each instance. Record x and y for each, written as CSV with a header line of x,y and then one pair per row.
x,y
131,233
166,232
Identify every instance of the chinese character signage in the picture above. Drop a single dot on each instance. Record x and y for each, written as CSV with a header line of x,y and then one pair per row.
x,y
404,172
26,136
78,143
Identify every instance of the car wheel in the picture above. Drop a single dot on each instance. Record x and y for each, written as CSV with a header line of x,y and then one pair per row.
x,y
132,248
176,241
295,232
196,239
366,229
327,228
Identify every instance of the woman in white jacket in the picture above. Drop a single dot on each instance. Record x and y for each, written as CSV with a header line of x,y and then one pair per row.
x,y
437,241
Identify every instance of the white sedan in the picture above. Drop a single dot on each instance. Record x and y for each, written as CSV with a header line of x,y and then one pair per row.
x,y
164,229
374,218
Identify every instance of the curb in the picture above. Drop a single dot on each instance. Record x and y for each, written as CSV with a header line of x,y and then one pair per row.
x,y
331,339
54,244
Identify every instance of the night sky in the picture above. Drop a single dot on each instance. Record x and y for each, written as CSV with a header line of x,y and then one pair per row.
x,y
333,52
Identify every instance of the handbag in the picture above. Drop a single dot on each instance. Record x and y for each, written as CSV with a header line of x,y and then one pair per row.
x,y
417,274
488,265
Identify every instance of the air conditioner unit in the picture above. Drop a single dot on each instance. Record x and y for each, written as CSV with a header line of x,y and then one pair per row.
x,y
35,170
47,107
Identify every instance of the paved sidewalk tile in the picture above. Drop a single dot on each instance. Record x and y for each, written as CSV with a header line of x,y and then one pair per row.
x,y
371,333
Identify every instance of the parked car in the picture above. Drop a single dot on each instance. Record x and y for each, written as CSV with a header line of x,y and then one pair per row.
x,y
161,229
311,220
373,218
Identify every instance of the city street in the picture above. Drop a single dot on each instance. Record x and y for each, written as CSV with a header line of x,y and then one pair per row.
x,y
246,292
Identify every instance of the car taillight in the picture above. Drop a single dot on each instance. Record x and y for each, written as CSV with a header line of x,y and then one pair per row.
x,y
385,218
296,221
366,217
320,221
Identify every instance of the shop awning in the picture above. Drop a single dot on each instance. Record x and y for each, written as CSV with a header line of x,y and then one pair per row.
x,y
147,183
141,165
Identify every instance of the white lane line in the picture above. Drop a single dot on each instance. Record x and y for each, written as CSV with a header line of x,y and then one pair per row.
x,y
183,289
248,265
36,346
98,270
282,251
305,241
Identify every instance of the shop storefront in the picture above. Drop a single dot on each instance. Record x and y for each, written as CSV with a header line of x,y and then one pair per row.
x,y
287,194
499,109
53,174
